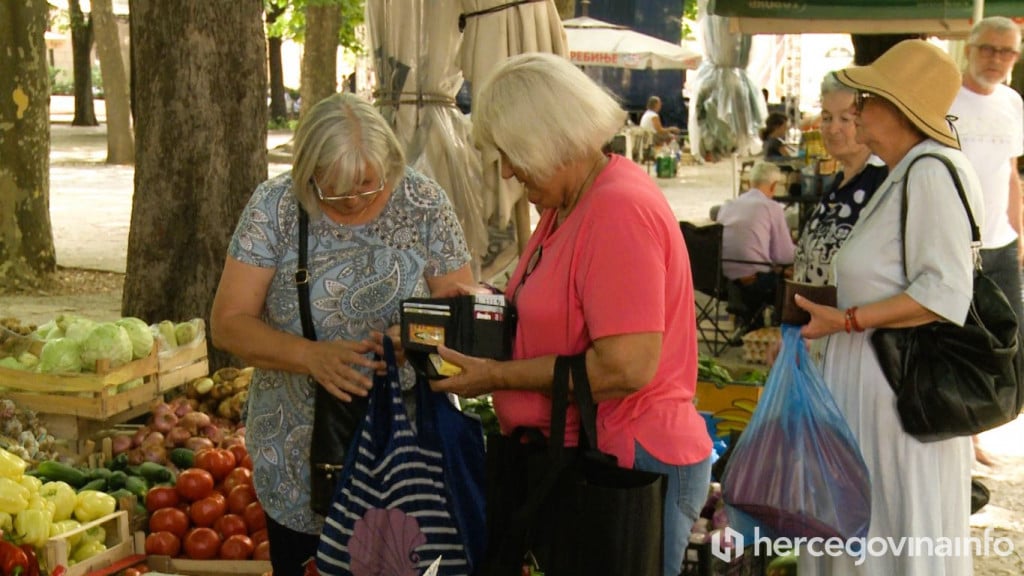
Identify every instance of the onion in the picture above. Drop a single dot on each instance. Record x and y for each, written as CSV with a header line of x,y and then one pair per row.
x,y
194,421
162,408
181,406
197,443
233,440
154,437
136,457
214,433
154,453
139,436
177,437
120,443
164,422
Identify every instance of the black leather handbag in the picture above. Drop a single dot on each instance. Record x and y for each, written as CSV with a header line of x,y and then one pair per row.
x,y
568,511
954,380
334,422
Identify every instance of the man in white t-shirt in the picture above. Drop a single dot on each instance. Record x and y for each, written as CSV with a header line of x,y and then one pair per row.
x,y
990,125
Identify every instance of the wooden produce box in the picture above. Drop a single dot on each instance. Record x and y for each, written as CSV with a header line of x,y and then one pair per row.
x,y
189,567
120,545
183,364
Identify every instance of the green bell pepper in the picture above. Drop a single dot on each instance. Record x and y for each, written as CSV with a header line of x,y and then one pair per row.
x,y
13,496
63,497
11,466
91,504
32,526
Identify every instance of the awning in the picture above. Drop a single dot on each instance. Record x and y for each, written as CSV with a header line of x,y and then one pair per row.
x,y
938,17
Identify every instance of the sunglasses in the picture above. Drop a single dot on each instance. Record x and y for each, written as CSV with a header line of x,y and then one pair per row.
x,y
860,98
990,51
320,193
531,264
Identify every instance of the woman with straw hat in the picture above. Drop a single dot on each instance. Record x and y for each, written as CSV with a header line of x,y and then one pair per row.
x,y
892,277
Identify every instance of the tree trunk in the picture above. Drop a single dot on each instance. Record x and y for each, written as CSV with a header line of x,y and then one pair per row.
x,y
81,56
120,144
27,256
201,149
278,106
566,8
319,71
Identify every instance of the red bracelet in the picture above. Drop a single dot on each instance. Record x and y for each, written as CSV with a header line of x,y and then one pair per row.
x,y
851,320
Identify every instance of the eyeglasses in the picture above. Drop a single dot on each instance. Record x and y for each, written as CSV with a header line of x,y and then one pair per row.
x,y
320,193
860,98
990,51
530,265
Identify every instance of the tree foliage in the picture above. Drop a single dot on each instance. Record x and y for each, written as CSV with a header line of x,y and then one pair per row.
x,y
292,24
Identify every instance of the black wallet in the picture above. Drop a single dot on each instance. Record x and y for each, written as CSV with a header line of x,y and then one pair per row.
x,y
479,325
793,314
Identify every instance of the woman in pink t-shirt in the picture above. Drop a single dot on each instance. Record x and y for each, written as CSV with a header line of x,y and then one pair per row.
x,y
607,276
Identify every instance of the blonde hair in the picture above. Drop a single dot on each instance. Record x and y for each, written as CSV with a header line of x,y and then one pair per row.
x,y
543,113
344,133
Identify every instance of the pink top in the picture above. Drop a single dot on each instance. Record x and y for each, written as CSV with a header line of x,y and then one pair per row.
x,y
617,265
756,231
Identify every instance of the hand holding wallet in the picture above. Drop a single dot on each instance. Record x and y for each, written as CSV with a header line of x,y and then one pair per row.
x,y
477,325
793,314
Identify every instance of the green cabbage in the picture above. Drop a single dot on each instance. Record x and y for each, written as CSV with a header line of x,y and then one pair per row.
x,y
28,360
11,363
78,329
140,335
60,355
106,340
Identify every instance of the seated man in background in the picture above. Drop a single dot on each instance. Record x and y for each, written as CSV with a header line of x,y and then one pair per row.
x,y
756,243
651,120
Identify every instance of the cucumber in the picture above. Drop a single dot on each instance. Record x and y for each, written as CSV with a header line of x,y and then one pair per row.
x,y
56,471
99,485
117,480
183,458
137,485
95,473
154,472
119,462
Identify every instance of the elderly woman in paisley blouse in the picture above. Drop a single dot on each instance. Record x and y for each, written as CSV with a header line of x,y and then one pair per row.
x,y
379,232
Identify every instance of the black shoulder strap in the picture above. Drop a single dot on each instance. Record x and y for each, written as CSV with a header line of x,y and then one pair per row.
x,y
975,232
302,277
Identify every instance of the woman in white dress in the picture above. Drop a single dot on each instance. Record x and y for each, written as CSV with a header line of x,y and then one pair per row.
x,y
920,492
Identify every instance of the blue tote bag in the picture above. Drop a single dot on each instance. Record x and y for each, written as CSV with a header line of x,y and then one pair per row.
x,y
797,469
406,498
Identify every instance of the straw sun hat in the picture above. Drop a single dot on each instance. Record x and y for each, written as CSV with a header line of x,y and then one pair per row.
x,y
919,78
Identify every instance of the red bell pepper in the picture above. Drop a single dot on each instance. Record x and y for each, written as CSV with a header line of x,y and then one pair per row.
x,y
13,560
33,561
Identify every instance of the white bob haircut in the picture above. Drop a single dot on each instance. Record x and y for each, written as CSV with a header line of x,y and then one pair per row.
x,y
339,138
765,173
543,113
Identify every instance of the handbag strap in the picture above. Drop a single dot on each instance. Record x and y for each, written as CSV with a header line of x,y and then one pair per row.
x,y
975,232
302,277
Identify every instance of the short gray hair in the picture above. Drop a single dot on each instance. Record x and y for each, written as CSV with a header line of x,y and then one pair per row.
x,y
831,85
543,113
765,173
346,133
994,23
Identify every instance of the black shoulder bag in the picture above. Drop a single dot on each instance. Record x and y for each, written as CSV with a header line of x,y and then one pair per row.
x,y
334,422
569,511
954,380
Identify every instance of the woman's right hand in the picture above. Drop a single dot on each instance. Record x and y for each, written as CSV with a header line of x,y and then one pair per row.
x,y
335,364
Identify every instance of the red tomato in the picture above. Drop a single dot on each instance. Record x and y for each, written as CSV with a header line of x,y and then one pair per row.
x,y
262,551
237,547
169,520
255,519
163,544
259,536
202,543
194,484
240,452
216,461
240,497
247,462
161,497
229,525
237,477
206,511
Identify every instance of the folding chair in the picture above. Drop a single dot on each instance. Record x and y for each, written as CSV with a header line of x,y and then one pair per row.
x,y
704,244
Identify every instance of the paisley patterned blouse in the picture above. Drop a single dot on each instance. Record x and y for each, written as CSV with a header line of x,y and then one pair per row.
x,y
359,275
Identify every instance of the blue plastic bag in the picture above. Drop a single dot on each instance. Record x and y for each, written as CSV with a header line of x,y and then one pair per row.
x,y
797,469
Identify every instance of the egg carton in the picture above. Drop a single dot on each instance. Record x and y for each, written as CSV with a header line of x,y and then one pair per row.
x,y
757,343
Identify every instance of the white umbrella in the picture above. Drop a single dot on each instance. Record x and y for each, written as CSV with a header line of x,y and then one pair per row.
x,y
593,42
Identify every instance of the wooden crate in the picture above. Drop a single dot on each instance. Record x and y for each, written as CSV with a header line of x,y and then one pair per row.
x,y
731,405
183,364
120,545
86,395
189,567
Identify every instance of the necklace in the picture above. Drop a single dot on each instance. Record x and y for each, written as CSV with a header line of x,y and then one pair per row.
x,y
563,213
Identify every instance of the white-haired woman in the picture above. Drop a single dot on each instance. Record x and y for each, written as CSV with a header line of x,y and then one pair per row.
x,y
605,274
859,175
920,494
378,233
